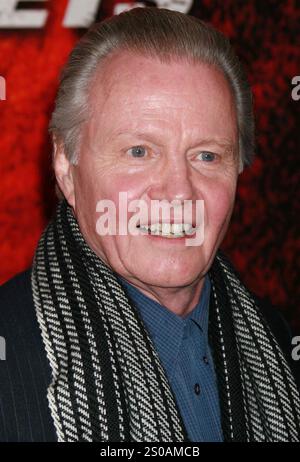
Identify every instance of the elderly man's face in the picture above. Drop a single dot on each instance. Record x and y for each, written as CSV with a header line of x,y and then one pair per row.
x,y
175,115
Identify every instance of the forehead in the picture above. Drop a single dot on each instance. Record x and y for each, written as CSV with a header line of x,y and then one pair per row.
x,y
132,89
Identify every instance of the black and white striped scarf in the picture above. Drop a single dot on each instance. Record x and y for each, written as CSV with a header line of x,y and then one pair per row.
x,y
108,382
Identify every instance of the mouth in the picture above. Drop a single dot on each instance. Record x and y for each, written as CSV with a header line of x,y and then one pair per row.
x,y
168,230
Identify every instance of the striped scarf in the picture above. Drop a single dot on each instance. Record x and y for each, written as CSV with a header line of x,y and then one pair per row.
x,y
108,382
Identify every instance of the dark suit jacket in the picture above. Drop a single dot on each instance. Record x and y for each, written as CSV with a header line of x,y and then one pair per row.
x,y
25,374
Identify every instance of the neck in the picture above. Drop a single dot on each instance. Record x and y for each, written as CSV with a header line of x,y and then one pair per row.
x,y
179,300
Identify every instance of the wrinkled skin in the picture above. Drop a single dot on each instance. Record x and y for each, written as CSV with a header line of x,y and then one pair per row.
x,y
176,112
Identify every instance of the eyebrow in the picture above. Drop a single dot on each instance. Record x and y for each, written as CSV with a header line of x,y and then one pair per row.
x,y
220,142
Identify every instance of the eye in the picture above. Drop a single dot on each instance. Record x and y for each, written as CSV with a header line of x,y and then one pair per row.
x,y
207,156
137,151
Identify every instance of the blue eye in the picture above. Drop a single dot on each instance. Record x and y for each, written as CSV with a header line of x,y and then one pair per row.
x,y
137,151
207,156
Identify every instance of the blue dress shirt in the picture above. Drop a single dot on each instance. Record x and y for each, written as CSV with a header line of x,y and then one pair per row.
x,y
182,346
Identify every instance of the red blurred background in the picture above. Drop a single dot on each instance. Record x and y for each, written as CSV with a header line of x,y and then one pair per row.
x,y
264,239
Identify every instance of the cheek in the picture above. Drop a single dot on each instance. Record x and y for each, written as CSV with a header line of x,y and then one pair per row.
x,y
92,188
121,189
109,182
218,203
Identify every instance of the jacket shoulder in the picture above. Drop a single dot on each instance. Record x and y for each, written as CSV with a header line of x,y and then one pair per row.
x,y
17,291
17,312
25,372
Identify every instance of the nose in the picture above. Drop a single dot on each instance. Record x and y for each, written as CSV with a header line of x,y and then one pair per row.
x,y
173,181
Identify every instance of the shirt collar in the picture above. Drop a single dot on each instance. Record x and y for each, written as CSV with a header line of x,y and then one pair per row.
x,y
166,328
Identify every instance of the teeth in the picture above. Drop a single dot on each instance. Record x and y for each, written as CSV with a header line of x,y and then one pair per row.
x,y
168,230
188,229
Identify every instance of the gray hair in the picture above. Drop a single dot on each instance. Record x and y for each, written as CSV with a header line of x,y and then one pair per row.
x,y
152,32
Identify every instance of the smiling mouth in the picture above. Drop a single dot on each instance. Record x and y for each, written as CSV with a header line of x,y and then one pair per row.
x,y
168,230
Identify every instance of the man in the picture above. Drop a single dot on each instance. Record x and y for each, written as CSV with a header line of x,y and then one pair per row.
x,y
143,335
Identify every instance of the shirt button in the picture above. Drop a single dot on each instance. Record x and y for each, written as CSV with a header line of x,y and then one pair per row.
x,y
205,359
197,388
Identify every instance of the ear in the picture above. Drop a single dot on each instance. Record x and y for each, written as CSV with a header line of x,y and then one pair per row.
x,y
64,172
